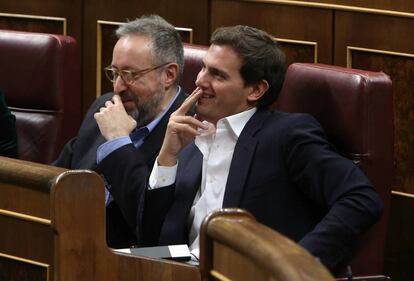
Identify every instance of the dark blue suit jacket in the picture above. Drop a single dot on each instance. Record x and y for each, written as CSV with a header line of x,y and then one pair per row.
x,y
80,153
285,173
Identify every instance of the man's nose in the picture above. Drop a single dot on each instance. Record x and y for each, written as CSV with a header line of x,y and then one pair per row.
x,y
119,85
201,80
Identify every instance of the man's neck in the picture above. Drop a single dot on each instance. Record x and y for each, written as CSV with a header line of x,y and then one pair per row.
x,y
169,95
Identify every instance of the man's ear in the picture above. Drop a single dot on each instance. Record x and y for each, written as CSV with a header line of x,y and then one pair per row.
x,y
258,91
171,74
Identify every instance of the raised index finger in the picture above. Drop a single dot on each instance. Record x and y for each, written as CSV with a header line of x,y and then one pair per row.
x,y
189,102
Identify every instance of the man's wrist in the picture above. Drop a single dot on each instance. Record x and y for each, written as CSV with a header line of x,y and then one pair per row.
x,y
166,160
162,176
114,135
110,146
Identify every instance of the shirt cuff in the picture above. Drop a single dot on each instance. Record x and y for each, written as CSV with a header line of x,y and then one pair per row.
x,y
110,146
162,176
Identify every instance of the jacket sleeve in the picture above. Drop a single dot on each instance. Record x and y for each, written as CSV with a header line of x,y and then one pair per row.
x,y
65,157
336,184
126,178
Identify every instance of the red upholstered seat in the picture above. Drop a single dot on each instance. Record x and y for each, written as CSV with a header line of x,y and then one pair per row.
x,y
356,110
193,56
40,77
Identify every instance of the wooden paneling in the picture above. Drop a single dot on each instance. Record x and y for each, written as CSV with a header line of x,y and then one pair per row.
x,y
299,51
17,269
396,5
284,22
26,202
371,31
19,237
73,245
399,253
382,44
106,40
37,13
43,24
400,67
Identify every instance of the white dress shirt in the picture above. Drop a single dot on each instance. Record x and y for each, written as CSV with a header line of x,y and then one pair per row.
x,y
217,147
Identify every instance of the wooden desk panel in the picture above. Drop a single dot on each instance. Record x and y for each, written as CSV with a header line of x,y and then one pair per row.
x,y
69,244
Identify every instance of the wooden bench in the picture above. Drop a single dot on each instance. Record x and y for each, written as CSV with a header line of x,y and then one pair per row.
x,y
234,246
52,228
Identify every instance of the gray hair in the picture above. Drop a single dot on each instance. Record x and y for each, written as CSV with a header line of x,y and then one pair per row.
x,y
166,41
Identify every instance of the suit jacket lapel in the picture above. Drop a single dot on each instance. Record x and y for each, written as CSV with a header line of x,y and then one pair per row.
x,y
175,227
242,159
88,159
189,176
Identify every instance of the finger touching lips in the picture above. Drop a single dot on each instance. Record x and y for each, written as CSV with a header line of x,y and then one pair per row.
x,y
190,101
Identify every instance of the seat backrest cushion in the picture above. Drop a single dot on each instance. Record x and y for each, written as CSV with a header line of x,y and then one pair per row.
x,y
356,111
193,62
40,76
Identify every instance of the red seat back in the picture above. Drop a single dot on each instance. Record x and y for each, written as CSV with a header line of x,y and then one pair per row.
x,y
40,76
355,109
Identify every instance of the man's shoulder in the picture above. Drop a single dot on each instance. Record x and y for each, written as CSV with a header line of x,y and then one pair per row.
x,y
286,118
276,114
280,124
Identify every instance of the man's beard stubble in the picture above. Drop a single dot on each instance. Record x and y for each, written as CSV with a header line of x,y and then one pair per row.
x,y
145,112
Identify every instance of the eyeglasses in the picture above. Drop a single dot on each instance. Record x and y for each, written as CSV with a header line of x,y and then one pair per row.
x,y
128,76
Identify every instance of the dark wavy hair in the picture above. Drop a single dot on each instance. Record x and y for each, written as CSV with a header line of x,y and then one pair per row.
x,y
261,58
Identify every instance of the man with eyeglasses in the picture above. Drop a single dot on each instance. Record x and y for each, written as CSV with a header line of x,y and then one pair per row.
x,y
147,65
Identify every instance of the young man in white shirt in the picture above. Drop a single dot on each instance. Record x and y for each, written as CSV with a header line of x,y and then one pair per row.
x,y
236,153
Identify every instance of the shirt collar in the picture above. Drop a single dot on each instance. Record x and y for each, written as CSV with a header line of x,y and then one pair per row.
x,y
237,121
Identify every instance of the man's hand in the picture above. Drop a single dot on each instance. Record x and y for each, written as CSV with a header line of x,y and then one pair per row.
x,y
181,130
113,120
